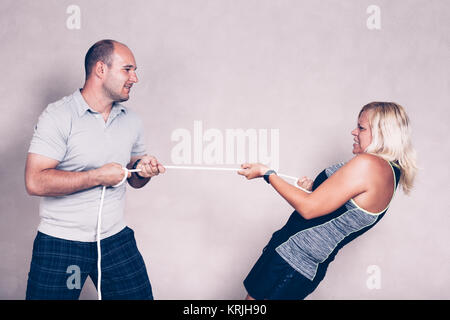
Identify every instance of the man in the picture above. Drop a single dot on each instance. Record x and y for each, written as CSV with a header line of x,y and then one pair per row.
x,y
80,144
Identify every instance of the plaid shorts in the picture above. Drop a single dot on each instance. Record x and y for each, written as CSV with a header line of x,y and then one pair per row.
x,y
59,268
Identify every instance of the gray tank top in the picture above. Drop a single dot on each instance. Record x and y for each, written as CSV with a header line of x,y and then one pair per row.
x,y
312,246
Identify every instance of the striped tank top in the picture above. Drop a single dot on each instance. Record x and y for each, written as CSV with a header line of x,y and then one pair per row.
x,y
316,241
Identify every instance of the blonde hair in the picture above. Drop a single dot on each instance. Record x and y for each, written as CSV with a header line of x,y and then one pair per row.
x,y
391,139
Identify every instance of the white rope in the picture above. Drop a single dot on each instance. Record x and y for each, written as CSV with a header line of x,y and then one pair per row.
x,y
201,168
99,217
295,180
231,169
99,225
99,250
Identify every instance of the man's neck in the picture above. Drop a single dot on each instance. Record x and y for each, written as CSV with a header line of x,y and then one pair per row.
x,y
96,100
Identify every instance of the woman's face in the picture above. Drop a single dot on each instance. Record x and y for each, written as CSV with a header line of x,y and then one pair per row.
x,y
362,134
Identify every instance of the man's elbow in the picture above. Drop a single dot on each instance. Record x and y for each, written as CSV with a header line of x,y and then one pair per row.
x,y
32,187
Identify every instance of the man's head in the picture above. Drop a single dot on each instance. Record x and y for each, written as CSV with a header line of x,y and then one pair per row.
x,y
112,66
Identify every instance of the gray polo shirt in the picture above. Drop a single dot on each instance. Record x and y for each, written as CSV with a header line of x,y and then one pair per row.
x,y
72,133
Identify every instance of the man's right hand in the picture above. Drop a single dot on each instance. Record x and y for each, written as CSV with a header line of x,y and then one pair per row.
x,y
109,174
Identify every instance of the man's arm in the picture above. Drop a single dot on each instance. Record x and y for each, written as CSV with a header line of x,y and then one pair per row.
x,y
42,179
134,181
149,167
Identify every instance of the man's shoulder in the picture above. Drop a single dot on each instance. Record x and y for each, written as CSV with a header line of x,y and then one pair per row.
x,y
61,112
62,106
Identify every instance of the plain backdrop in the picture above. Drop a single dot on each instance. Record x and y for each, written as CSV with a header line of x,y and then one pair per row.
x,y
303,67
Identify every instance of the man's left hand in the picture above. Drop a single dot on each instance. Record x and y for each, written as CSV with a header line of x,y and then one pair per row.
x,y
150,167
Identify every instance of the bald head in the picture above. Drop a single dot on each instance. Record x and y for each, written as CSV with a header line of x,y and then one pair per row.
x,y
100,51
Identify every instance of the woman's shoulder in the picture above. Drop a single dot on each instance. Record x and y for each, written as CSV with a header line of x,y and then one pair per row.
x,y
363,164
365,160
370,165
359,161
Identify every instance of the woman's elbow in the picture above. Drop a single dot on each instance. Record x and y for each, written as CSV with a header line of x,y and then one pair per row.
x,y
307,212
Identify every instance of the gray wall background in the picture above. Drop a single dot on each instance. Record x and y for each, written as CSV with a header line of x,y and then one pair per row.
x,y
303,67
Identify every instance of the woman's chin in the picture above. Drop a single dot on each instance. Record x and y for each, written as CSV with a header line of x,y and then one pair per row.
x,y
356,148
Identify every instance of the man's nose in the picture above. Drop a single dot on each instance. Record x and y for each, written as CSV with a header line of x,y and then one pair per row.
x,y
134,77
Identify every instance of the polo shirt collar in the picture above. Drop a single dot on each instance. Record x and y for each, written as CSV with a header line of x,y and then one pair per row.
x,y
82,105
118,108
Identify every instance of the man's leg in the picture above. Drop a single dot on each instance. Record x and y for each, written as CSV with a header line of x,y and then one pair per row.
x,y
124,275
58,268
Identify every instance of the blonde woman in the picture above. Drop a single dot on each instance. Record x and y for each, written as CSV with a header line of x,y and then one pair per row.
x,y
347,199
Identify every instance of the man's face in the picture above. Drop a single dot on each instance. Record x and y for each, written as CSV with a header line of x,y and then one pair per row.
x,y
121,76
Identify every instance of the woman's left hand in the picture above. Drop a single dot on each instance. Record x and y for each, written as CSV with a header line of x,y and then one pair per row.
x,y
253,170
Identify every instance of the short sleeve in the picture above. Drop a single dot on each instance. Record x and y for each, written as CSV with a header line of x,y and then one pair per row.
x,y
50,135
139,148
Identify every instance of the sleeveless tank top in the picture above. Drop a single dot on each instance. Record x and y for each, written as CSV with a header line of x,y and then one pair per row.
x,y
314,243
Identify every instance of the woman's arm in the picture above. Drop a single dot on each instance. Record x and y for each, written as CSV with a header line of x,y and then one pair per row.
x,y
349,181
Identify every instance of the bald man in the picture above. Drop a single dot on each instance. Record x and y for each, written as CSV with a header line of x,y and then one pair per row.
x,y
80,144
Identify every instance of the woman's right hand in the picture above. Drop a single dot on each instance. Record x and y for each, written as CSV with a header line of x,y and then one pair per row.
x,y
305,183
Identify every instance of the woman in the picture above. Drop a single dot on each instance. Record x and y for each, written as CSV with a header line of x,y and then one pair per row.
x,y
346,201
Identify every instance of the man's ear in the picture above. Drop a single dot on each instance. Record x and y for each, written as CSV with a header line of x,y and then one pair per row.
x,y
100,69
